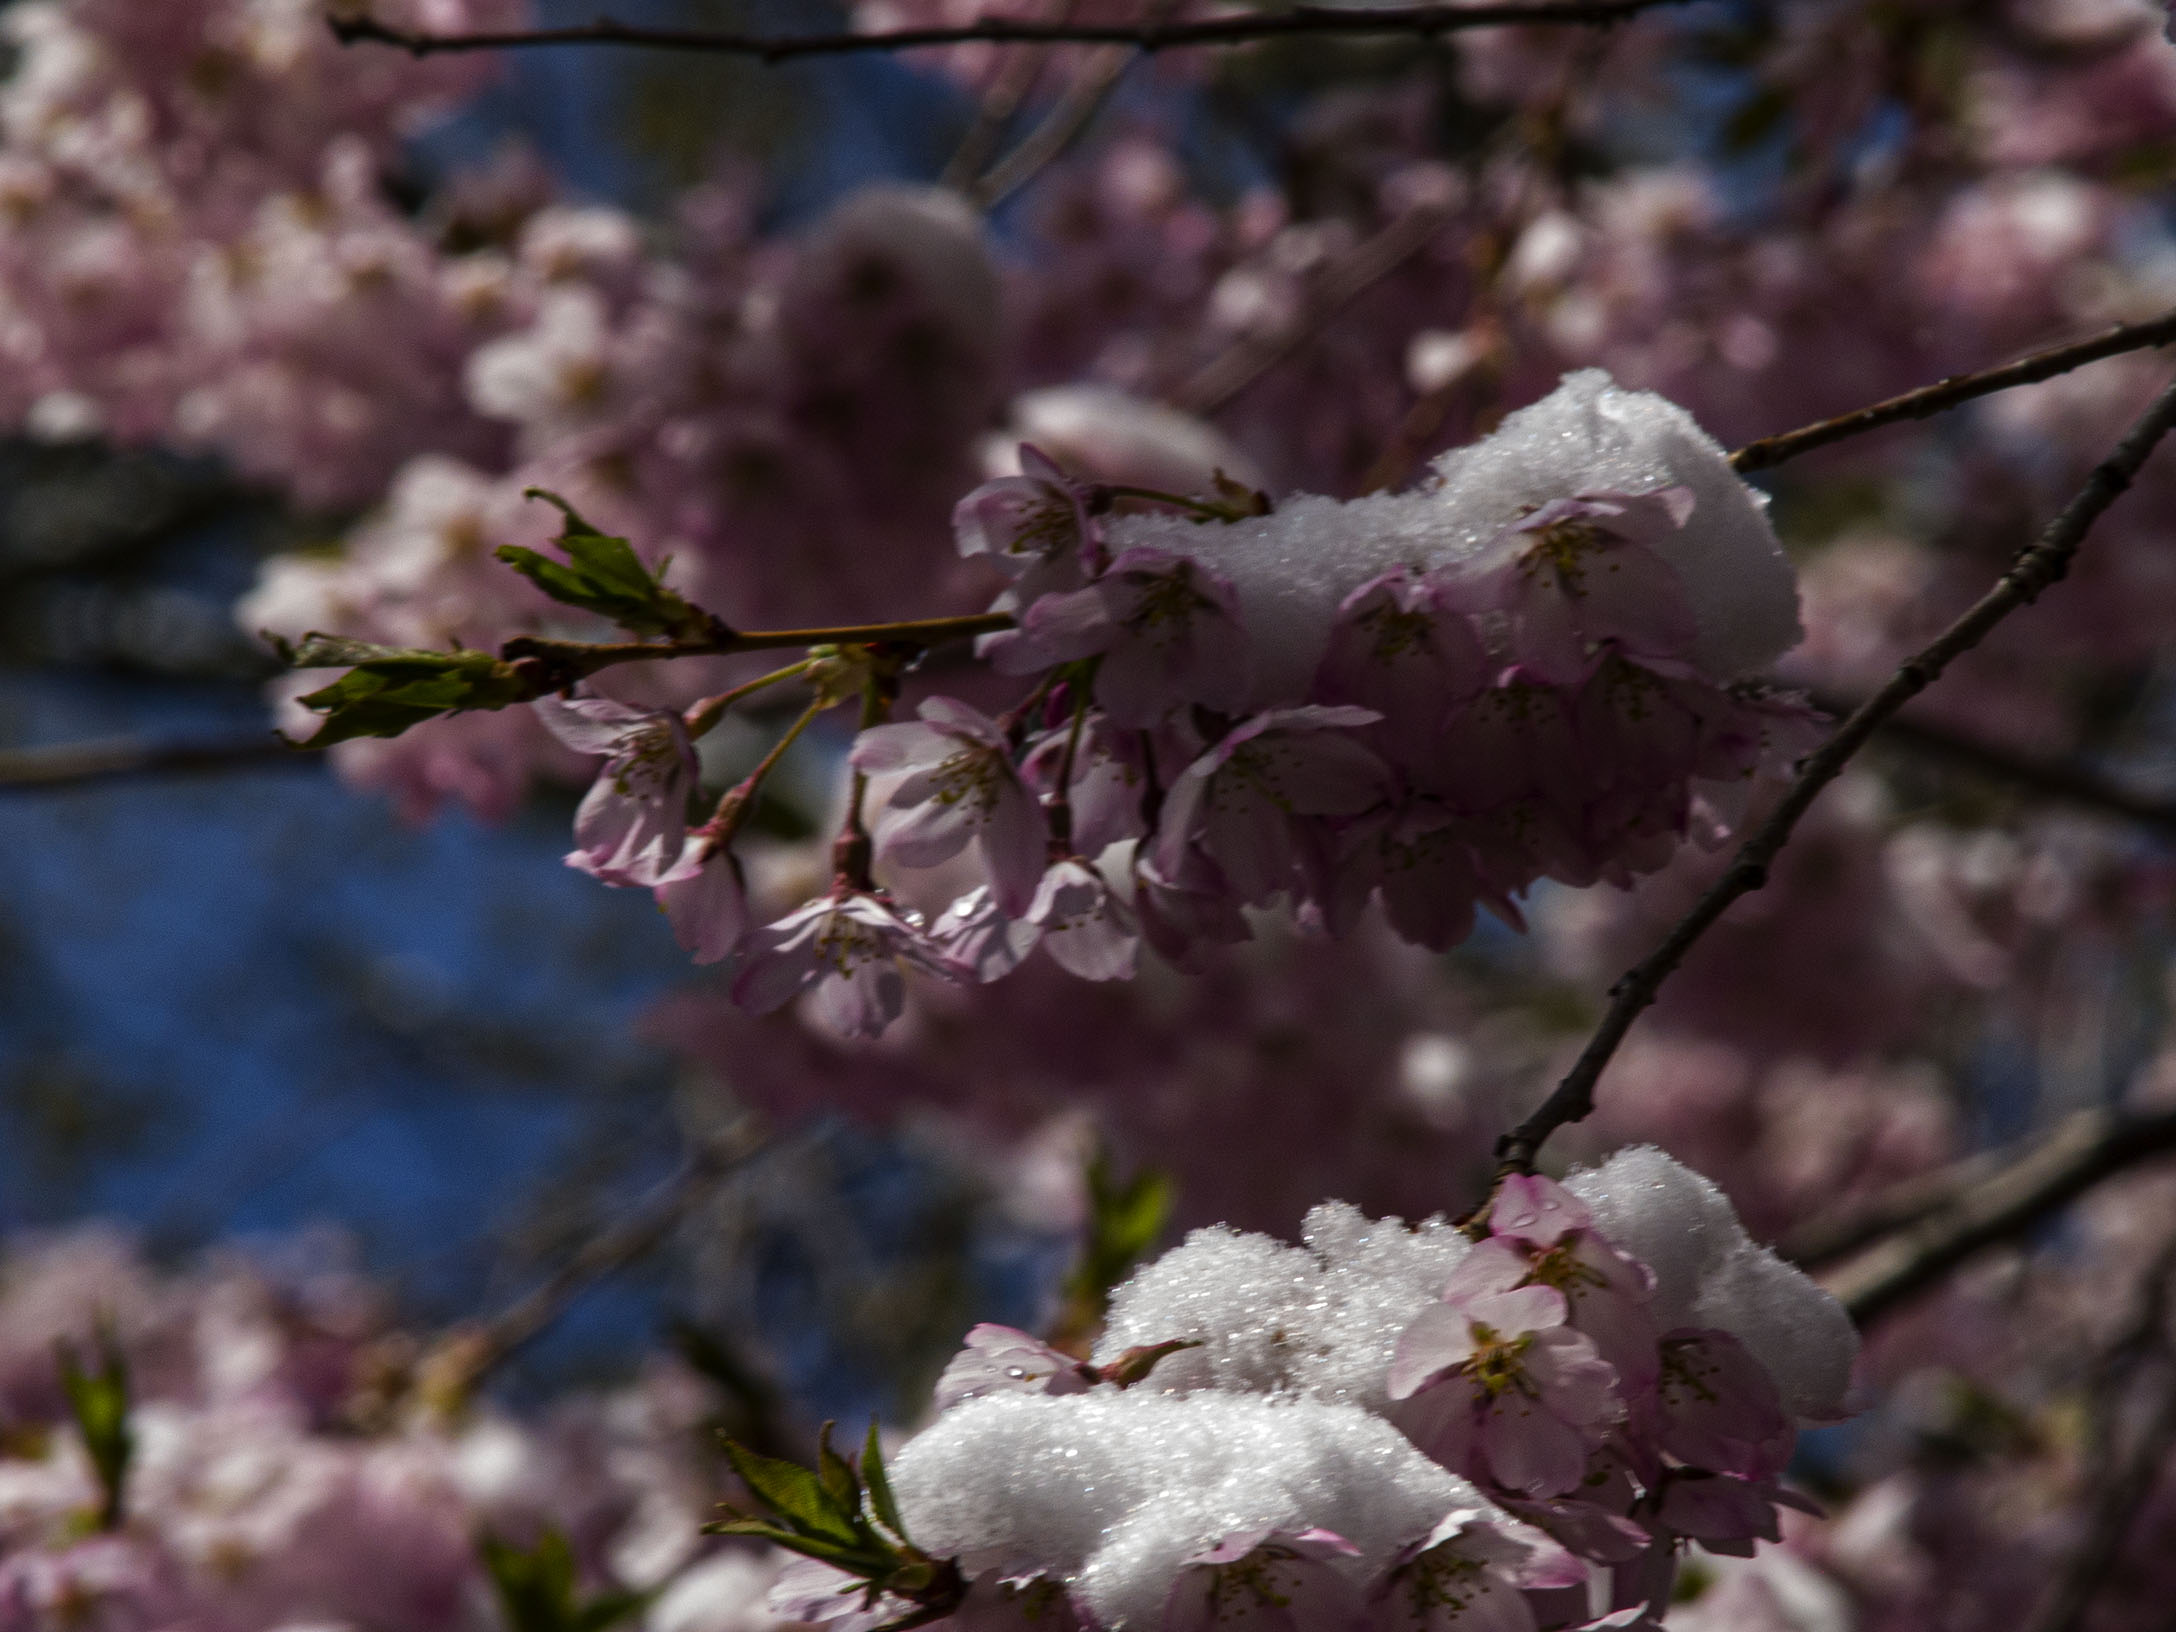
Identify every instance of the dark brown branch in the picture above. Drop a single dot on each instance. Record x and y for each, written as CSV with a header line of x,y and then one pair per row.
x,y
1929,400
67,763
2039,567
461,1358
2121,1491
1223,377
1425,22
1984,1201
2063,780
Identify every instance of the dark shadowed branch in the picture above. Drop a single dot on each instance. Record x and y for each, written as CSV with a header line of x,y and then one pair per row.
x,y
113,757
2064,781
1906,1241
1929,400
2120,1485
1423,22
2039,567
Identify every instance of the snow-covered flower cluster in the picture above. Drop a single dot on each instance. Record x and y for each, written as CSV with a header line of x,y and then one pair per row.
x,y
1388,1427
1540,662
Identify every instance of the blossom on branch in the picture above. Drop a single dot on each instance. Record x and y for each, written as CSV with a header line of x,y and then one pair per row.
x,y
631,828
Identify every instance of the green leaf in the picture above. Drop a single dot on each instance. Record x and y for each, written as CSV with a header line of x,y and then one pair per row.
x,y
879,1482
538,1589
836,1475
1125,1220
854,1560
603,574
99,1402
387,689
796,1495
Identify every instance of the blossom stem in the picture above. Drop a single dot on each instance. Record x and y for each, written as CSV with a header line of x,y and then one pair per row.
x,y
1061,803
853,855
552,665
1204,509
704,716
741,798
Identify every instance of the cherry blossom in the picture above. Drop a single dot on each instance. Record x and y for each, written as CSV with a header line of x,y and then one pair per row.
x,y
1270,1580
958,783
851,948
1498,1385
632,824
1582,572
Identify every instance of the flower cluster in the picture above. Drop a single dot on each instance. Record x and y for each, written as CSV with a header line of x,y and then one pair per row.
x,y
1389,1427
283,1466
1529,666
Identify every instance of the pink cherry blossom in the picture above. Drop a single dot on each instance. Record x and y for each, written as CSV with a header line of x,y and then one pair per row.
x,y
1581,572
1001,1359
631,826
1403,646
1500,1388
1543,1235
1237,805
1470,1574
1268,1580
706,900
1110,774
851,948
1087,930
960,784
1167,630
1035,525
1718,1407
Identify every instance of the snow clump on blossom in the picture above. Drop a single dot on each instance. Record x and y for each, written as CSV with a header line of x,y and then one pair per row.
x,y
1511,1424
1293,569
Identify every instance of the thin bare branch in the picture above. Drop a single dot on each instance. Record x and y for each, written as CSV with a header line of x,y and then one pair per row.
x,y
2120,1487
466,1354
1984,1201
1059,129
1424,22
1223,377
1929,400
2035,570
110,758
2064,780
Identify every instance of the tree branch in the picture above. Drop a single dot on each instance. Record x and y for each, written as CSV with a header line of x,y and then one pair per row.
x,y
2064,780
1426,22
1919,1232
1224,376
2040,566
461,1358
2121,1491
1929,400
114,757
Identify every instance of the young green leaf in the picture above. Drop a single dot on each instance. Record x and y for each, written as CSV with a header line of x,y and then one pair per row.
x,y
387,689
881,1502
603,574
1125,1220
99,1402
538,1589
796,1495
841,1488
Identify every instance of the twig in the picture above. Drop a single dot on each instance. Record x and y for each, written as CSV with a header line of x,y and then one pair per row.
x,y
461,1358
1008,89
1059,130
1425,22
1231,372
2061,779
2038,567
1929,400
1984,1204
112,757
2120,1496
